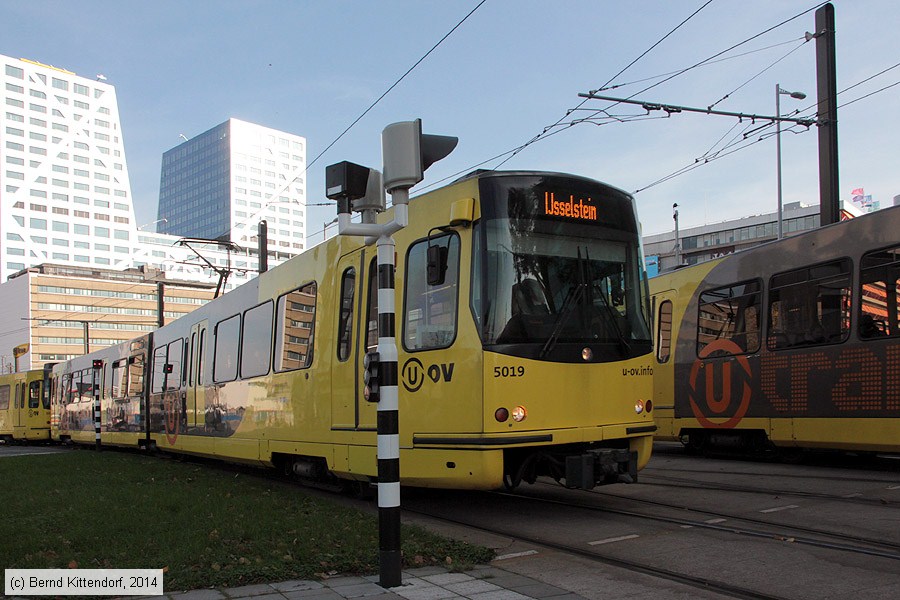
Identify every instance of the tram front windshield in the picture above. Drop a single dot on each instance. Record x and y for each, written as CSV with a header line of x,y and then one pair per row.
x,y
557,277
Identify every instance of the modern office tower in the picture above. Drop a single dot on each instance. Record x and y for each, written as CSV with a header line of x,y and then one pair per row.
x,y
222,183
65,196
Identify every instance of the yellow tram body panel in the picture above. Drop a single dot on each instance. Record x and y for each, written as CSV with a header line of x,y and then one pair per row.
x,y
673,287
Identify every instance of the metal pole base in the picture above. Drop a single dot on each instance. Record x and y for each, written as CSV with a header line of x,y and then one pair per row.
x,y
389,572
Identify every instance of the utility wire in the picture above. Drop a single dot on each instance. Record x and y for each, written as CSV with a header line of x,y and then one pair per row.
x,y
793,129
393,85
705,64
702,62
728,95
628,66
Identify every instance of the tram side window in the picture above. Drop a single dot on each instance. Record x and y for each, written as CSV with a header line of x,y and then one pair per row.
x,y
664,332
227,338
345,321
175,376
68,391
159,362
372,310
119,373
879,278
136,375
86,387
4,397
256,341
295,328
729,318
430,315
809,306
34,394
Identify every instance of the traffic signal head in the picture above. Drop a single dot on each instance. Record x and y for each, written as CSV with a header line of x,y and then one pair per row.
x,y
345,181
371,364
407,152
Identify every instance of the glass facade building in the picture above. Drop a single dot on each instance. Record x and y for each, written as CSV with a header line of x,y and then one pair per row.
x,y
223,182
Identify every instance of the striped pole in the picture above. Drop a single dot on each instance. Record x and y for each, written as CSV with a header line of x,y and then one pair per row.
x,y
388,422
98,364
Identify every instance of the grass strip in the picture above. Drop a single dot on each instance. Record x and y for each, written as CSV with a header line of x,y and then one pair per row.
x,y
206,527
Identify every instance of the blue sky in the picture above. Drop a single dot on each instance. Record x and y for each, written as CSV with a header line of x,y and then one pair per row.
x,y
514,67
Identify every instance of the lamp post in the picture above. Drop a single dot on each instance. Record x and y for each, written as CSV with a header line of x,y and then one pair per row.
x,y
799,96
677,236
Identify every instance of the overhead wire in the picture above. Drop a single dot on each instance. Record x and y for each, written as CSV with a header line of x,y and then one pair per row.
x,y
543,133
738,88
560,125
395,84
705,64
792,129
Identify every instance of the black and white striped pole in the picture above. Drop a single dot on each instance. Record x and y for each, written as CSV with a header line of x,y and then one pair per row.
x,y
97,364
406,153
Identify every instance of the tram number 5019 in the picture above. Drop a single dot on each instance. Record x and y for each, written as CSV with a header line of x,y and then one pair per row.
x,y
509,371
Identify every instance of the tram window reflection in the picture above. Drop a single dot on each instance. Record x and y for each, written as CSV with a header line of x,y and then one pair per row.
x,y
880,288
810,306
345,321
256,341
731,313
664,333
431,310
295,333
227,336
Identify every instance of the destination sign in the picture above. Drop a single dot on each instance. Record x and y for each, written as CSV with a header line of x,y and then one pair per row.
x,y
580,209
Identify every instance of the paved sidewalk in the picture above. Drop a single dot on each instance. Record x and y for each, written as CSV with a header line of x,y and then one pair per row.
x,y
427,583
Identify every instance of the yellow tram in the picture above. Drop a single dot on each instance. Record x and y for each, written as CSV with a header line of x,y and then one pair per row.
x,y
531,358
793,344
24,407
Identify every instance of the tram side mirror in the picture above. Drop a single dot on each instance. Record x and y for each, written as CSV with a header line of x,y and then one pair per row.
x,y
437,264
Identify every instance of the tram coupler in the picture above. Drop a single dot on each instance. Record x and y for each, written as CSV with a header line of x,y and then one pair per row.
x,y
601,466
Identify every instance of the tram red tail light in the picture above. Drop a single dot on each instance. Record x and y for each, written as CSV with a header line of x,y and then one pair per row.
x,y
501,414
649,405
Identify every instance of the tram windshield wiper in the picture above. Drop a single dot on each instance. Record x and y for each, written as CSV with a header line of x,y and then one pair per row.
x,y
573,299
613,317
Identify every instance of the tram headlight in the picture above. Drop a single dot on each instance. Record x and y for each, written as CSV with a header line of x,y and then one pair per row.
x,y
639,406
519,413
501,414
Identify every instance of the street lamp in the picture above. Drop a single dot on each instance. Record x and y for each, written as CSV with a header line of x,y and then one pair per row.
x,y
799,96
677,238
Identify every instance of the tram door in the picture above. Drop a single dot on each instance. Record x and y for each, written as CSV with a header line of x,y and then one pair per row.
x,y
196,400
19,411
664,375
357,333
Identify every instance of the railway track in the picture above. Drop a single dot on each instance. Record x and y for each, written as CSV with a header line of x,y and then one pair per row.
x,y
530,501
777,531
653,570
667,481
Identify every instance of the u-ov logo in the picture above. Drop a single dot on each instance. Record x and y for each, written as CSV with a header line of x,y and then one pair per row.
x,y
414,373
705,389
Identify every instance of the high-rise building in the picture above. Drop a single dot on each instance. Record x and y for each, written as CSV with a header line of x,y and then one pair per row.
x,y
223,182
65,196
